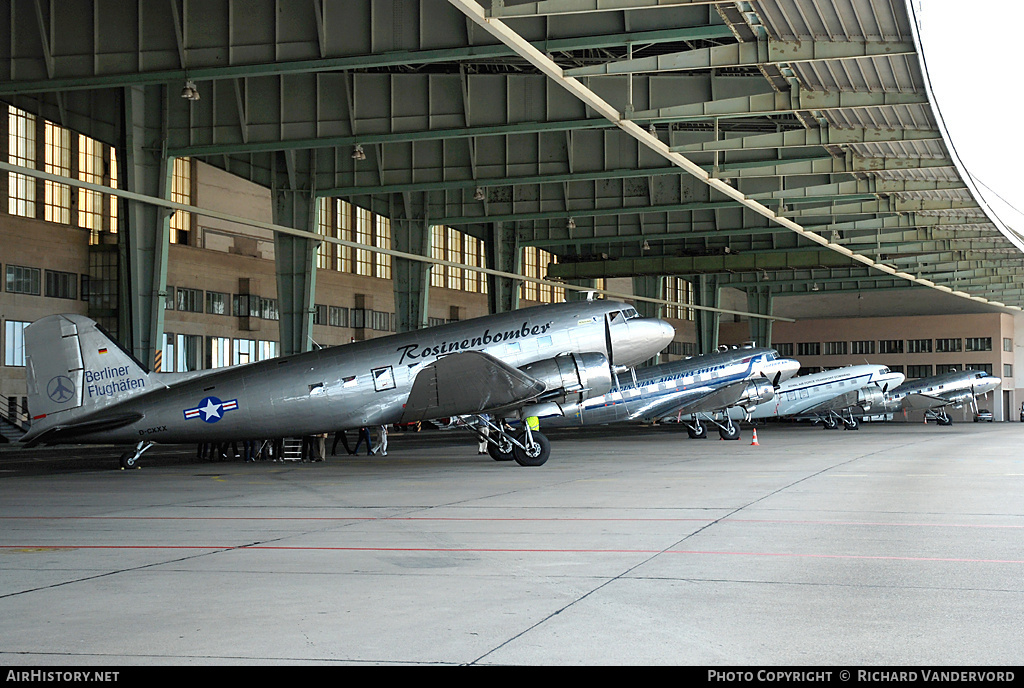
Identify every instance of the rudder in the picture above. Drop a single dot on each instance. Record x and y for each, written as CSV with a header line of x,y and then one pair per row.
x,y
73,369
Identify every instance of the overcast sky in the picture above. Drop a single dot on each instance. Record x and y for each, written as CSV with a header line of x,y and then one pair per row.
x,y
970,49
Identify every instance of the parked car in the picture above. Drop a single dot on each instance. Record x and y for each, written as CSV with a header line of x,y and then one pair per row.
x,y
983,414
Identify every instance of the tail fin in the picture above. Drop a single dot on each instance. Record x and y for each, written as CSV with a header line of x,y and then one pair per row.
x,y
75,369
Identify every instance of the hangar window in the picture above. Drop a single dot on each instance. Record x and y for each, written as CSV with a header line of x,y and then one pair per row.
x,y
983,367
267,349
95,168
535,264
979,344
61,285
216,303
890,346
337,316
190,300
21,150
680,293
382,239
23,280
453,254
343,231
785,349
919,346
915,372
1007,344
363,235
181,192
56,160
243,351
1007,370
808,349
218,352
189,354
14,343
946,346
862,347
835,348
324,225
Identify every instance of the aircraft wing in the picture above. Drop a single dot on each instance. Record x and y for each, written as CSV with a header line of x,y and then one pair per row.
x,y
466,383
838,403
670,405
928,401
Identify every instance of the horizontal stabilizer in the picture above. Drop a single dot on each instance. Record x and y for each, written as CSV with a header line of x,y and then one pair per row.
x,y
58,433
467,383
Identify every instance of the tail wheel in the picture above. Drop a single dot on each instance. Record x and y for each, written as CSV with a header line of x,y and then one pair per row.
x,y
501,449
128,459
730,433
536,453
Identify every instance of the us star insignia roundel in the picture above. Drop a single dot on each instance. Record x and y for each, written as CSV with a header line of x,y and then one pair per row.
x,y
211,409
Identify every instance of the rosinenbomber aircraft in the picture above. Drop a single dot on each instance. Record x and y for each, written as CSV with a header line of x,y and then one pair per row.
x,y
832,395
84,388
933,394
698,386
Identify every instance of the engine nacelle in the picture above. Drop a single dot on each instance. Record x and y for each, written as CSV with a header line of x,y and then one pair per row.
x,y
756,392
572,377
872,400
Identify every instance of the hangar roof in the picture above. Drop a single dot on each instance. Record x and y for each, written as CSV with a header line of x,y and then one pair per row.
x,y
788,145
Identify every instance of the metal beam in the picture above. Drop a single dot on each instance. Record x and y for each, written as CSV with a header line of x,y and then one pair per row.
x,y
764,52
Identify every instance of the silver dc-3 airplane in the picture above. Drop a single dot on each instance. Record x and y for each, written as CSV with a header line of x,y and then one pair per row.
x,y
84,388
934,394
831,396
699,386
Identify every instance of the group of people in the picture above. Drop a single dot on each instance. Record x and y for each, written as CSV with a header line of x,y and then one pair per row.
x,y
313,447
362,436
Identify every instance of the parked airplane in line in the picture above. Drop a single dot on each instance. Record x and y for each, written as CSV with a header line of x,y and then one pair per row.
x,y
698,386
831,396
84,388
933,394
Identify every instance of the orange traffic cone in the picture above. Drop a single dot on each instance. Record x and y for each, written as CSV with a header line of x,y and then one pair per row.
x,y
753,440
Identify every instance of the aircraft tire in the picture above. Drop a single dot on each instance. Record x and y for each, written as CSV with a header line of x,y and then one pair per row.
x,y
947,421
127,460
852,425
725,433
829,423
698,435
499,455
536,455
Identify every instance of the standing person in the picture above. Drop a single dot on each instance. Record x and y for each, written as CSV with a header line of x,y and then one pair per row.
x,y
382,442
341,436
364,434
485,431
321,446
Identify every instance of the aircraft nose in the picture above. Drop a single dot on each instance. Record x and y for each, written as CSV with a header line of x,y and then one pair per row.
x,y
639,340
789,368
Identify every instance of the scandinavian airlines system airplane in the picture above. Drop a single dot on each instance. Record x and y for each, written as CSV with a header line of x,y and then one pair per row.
x,y
698,386
832,395
84,388
934,394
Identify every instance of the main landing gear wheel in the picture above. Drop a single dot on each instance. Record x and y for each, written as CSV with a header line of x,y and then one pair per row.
x,y
829,423
852,424
536,453
496,450
729,433
945,420
698,433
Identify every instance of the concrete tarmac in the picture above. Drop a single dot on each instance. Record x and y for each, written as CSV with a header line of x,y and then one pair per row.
x,y
898,544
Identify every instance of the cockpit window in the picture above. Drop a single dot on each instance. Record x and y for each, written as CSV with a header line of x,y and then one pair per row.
x,y
773,355
884,370
630,313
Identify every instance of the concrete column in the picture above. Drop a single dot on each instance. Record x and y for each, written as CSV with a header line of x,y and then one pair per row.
x,y
410,233
295,257
144,237
502,254
760,301
708,293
